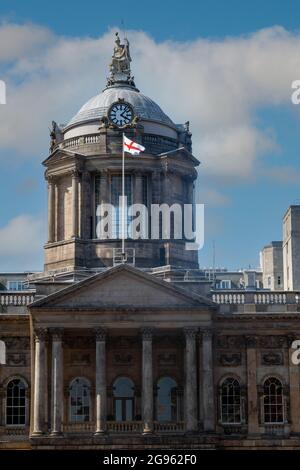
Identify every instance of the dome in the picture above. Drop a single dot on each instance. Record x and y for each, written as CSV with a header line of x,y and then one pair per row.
x,y
145,108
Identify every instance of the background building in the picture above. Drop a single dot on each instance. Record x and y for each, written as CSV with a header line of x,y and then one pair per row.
x,y
272,266
291,248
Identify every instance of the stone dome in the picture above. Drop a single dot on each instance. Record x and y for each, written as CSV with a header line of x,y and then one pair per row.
x,y
145,108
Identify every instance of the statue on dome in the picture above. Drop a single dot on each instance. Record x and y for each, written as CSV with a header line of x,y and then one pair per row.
x,y
120,64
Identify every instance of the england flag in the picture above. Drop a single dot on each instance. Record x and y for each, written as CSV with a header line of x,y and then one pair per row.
x,y
132,147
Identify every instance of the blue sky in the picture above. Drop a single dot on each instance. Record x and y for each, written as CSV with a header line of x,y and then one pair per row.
x,y
246,188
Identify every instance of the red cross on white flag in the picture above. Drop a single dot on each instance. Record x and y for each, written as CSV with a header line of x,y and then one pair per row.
x,y
132,147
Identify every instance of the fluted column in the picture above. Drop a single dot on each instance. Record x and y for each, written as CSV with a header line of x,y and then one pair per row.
x,y
100,381
104,186
138,188
155,184
208,382
75,205
39,382
253,426
57,382
86,207
147,390
51,210
57,228
190,398
167,186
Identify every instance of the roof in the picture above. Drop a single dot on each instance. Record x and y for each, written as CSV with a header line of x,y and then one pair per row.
x,y
101,291
97,107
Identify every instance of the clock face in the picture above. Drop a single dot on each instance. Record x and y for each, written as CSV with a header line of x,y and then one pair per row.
x,y
120,114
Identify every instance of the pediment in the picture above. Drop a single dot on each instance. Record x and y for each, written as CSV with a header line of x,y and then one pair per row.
x,y
122,286
61,155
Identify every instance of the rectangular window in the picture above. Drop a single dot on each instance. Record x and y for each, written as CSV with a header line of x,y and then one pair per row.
x,y
116,193
16,285
225,284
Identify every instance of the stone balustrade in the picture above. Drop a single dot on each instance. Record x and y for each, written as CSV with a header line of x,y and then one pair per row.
x,y
79,427
21,298
124,426
169,427
257,298
154,144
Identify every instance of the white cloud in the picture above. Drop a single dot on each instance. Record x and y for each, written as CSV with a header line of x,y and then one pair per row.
x,y
218,85
21,242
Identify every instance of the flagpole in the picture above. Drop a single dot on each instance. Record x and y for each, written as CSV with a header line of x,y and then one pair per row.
x,y
123,200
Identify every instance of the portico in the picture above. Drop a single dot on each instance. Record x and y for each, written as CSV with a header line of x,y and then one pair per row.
x,y
139,375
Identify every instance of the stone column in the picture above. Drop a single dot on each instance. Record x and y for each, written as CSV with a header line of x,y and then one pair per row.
x,y
147,382
155,185
75,205
103,190
294,389
167,187
56,212
86,207
190,396
57,383
100,381
138,188
253,426
208,382
200,375
51,211
39,382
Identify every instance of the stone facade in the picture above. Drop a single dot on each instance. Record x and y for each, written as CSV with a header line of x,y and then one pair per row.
x,y
146,356
93,331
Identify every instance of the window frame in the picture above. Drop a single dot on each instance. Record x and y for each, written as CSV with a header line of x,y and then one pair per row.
x,y
26,414
240,404
282,404
88,385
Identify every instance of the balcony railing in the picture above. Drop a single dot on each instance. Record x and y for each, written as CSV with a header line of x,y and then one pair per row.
x,y
258,298
169,427
16,298
274,429
124,426
79,427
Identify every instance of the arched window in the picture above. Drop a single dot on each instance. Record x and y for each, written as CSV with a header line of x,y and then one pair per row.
x,y
273,401
80,402
231,410
167,407
123,390
16,402
2,352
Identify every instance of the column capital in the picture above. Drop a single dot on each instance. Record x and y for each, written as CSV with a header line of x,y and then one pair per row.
x,y
100,334
40,334
290,338
156,173
57,334
51,179
147,333
206,333
75,173
104,173
190,332
251,341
